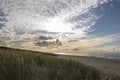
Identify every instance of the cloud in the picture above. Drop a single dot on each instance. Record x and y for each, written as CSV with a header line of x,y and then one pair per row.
x,y
102,41
42,44
25,16
45,37
2,43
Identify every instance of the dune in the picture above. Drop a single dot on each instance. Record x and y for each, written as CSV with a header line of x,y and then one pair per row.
x,y
48,66
106,66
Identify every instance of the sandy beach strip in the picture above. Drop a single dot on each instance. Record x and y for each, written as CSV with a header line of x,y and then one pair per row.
x,y
107,66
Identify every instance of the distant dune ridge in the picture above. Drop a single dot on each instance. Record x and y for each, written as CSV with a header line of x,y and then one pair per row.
x,y
18,64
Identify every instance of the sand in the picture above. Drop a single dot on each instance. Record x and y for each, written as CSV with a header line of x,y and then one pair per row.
x,y
106,66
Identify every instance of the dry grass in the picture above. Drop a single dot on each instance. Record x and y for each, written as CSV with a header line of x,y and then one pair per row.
x,y
28,65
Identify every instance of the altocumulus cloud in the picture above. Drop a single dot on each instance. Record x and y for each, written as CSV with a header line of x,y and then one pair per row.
x,y
25,16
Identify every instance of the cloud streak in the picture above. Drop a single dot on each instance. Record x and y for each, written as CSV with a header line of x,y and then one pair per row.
x,y
108,40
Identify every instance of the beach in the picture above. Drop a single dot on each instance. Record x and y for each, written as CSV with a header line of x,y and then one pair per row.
x,y
106,66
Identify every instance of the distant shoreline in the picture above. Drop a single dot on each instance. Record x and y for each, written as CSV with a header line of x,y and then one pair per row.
x,y
115,56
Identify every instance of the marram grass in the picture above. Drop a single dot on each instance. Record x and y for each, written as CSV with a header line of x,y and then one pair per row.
x,y
28,65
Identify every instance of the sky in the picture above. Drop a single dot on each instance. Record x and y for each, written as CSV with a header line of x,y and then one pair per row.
x,y
81,25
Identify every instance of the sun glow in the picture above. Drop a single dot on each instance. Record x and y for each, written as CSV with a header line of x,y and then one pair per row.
x,y
57,25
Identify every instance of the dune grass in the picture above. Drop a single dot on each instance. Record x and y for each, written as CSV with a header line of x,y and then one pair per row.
x,y
27,65
16,66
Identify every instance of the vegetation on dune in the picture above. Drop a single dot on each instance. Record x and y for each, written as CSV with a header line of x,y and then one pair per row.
x,y
16,66
28,65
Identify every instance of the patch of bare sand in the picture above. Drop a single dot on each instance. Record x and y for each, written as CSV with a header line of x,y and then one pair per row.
x,y
107,66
